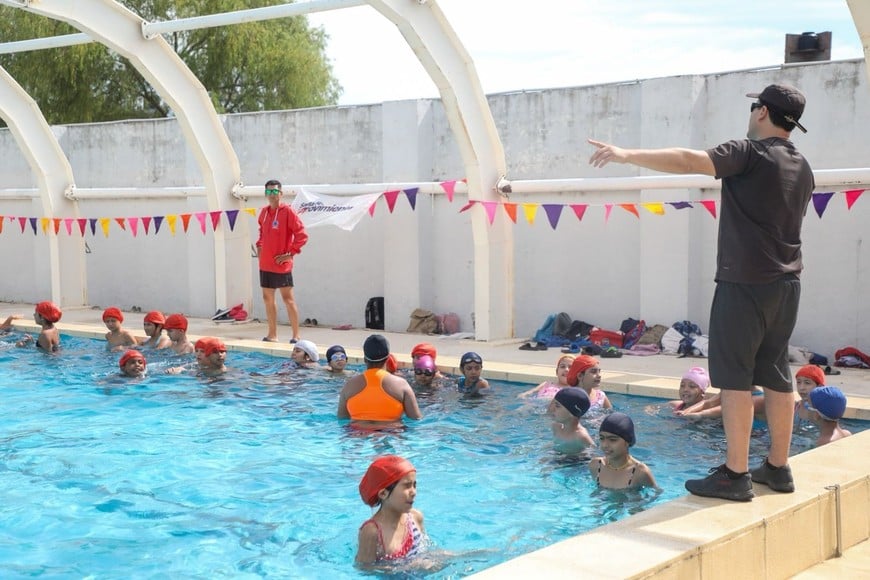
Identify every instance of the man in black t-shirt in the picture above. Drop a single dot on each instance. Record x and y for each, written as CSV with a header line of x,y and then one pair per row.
x,y
766,188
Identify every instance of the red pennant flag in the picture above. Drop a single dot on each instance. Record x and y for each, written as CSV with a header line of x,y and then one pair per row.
x,y
22,221
134,225
83,223
511,209
630,208
490,207
121,223
449,187
56,225
579,210
146,221
711,206
200,217
467,206
391,197
185,221
215,219
852,196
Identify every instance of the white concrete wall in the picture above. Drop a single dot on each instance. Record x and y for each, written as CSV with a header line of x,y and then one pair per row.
x,y
656,268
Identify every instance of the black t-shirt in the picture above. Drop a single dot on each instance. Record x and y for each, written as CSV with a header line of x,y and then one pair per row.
x,y
766,187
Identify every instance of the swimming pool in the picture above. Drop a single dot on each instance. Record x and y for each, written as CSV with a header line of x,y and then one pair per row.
x,y
181,478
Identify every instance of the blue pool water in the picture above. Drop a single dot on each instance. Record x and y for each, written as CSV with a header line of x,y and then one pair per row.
x,y
254,476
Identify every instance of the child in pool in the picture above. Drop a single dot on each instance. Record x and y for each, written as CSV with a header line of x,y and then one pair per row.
x,y
618,469
211,354
117,338
586,374
548,389
305,355
426,349
396,530
829,404
45,315
153,327
176,329
132,364
336,359
693,387
471,383
6,326
425,371
808,378
570,436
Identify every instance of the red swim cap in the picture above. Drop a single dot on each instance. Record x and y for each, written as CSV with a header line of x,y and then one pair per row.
x,y
381,474
422,349
49,311
113,312
209,345
131,354
175,322
155,317
813,373
580,365
392,364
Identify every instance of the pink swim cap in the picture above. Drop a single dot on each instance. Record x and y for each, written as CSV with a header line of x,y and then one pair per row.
x,y
698,375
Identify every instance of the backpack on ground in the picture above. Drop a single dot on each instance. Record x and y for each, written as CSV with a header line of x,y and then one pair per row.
x,y
448,323
375,313
423,322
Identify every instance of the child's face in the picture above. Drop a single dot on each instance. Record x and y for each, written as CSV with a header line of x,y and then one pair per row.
x,y
690,392
216,358
562,371
613,446
471,371
37,318
150,328
804,386
135,367
175,334
299,355
424,376
113,324
338,362
201,359
560,413
401,499
590,378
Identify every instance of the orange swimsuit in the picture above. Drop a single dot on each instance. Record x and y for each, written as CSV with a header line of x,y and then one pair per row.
x,y
373,403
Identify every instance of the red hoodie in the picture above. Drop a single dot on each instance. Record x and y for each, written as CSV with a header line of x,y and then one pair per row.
x,y
281,232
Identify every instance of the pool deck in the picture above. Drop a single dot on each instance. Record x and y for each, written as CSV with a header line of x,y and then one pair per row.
x,y
775,536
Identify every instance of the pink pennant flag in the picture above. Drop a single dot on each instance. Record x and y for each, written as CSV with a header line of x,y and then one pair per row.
x,y
554,211
852,196
391,197
449,187
530,210
710,205
608,207
121,223
83,223
511,209
43,223
200,217
104,224
146,223
22,221
56,225
467,206
655,208
490,207
372,208
134,225
215,219
67,222
630,208
579,210
411,194
820,201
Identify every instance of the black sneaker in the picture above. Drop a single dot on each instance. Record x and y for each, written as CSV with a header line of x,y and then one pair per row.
x,y
718,484
776,479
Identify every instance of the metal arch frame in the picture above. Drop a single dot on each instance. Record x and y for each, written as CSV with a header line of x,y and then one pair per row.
x,y
860,10
120,29
55,181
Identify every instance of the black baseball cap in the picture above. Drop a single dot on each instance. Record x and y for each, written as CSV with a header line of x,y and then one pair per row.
x,y
785,100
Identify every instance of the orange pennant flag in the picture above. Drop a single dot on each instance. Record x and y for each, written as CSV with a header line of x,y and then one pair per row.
x,y
510,208
530,210
56,225
121,223
630,208
185,221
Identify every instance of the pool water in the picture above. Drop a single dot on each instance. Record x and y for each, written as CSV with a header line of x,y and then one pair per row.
x,y
176,476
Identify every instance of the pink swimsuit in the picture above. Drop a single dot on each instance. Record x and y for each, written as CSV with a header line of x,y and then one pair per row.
x,y
410,545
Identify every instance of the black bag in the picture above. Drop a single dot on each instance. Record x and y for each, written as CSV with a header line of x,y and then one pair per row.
x,y
375,313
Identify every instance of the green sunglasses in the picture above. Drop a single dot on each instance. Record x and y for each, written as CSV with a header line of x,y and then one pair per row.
x,y
273,191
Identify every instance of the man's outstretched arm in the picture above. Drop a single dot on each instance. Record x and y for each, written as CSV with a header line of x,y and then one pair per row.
x,y
671,160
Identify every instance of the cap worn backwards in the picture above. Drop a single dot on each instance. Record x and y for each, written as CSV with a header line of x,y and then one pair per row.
x,y
785,100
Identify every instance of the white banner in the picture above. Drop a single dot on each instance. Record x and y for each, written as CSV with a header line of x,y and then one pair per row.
x,y
317,209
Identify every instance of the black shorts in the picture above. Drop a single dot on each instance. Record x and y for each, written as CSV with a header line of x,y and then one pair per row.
x,y
750,326
275,280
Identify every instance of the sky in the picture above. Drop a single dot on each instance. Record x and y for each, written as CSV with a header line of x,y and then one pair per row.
x,y
535,44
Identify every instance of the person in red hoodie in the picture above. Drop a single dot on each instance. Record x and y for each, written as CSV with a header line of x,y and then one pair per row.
x,y
282,236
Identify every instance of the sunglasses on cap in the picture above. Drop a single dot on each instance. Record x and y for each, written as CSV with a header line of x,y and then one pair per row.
x,y
426,372
273,191
337,357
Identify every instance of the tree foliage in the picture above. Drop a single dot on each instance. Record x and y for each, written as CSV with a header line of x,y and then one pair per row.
x,y
268,65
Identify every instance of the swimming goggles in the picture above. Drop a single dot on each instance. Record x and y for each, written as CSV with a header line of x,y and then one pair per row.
x,y
337,357
426,372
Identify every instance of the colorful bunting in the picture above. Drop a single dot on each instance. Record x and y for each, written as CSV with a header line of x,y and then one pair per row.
x,y
134,225
449,187
104,224
530,210
215,219
391,197
511,210
185,221
231,218
607,209
630,208
656,208
121,224
33,225
554,211
67,222
820,202
490,207
579,210
43,223
710,205
680,204
146,222
157,221
200,217
171,219
852,196
467,206
411,194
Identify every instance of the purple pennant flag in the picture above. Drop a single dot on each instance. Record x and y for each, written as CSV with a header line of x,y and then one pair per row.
x,y
820,202
158,220
93,222
412,196
33,225
554,211
232,214
680,204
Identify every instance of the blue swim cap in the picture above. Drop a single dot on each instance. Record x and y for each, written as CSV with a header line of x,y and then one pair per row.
x,y
619,424
574,399
470,357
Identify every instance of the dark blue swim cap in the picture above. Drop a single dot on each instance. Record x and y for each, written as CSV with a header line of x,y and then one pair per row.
x,y
619,424
470,357
574,399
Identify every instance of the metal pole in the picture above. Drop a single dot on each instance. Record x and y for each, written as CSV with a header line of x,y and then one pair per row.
x,y
838,551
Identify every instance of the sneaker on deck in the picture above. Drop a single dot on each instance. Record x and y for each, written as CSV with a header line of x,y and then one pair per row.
x,y
776,479
719,485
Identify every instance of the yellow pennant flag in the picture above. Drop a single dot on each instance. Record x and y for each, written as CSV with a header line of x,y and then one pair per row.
x,y
529,210
171,219
44,223
251,210
656,208
104,224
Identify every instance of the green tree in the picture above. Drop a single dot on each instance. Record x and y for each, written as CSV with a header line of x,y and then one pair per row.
x,y
268,65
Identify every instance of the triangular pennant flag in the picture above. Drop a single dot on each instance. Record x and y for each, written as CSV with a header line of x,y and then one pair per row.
x,y
171,219
215,219
158,219
252,211
122,223
449,187
33,225
43,223
200,217
630,208
852,196
185,221
553,212
490,207
104,224
412,196
710,205
680,204
22,221
134,225
467,206
820,201
93,223
511,209
579,210
146,223
67,222
1,224
655,208
232,215
83,222
530,210
391,197
372,208
56,225
608,207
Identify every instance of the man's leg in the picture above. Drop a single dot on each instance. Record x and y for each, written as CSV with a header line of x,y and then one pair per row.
x,y
779,410
271,313
737,414
292,310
